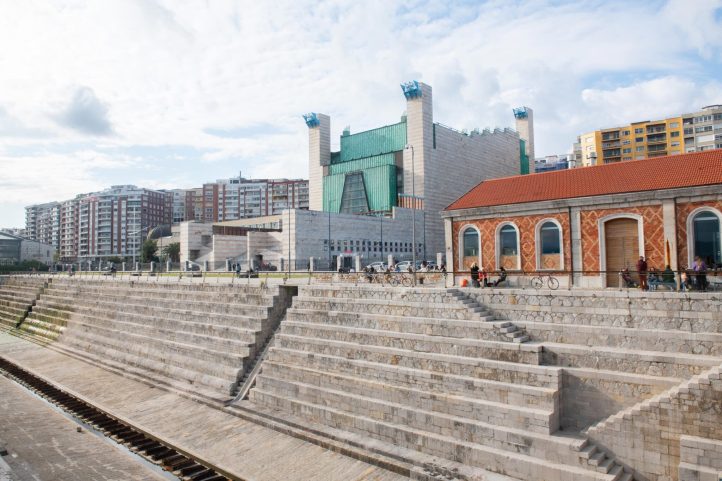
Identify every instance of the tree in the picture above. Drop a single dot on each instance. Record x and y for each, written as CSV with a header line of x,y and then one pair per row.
x,y
172,251
115,259
148,251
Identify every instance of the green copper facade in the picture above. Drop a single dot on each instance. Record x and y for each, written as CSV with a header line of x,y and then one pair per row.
x,y
374,155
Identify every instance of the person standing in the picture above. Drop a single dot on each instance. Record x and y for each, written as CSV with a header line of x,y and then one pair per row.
x,y
474,275
700,274
642,270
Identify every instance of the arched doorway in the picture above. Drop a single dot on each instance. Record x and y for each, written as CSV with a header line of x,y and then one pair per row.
x,y
621,243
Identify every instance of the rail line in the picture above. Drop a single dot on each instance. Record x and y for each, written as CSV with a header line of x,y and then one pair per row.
x,y
181,464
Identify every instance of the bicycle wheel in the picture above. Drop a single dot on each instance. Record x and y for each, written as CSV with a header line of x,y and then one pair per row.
x,y
553,283
537,282
393,281
406,281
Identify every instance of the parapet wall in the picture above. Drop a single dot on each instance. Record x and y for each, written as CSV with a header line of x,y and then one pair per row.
x,y
695,312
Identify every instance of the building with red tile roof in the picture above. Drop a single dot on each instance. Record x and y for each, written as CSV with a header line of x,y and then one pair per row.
x,y
588,224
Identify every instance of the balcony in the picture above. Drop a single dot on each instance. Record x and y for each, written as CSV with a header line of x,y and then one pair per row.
x,y
657,139
653,129
609,145
610,136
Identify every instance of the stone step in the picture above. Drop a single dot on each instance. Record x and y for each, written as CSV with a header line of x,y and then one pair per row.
x,y
15,309
42,327
663,364
510,372
139,292
150,314
244,341
525,418
178,378
161,347
375,292
633,339
111,301
19,297
418,325
150,357
178,309
164,286
135,321
518,464
503,351
392,307
482,389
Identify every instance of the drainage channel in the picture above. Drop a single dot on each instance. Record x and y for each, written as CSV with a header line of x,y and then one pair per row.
x,y
170,459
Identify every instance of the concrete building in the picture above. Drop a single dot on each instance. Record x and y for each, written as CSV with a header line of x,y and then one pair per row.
x,y
554,162
332,240
525,126
693,132
42,223
239,198
15,249
592,223
416,163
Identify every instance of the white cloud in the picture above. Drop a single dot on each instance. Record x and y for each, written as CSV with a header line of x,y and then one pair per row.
x,y
172,73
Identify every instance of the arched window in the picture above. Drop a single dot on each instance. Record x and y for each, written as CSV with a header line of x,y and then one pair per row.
x,y
706,234
549,246
508,247
471,242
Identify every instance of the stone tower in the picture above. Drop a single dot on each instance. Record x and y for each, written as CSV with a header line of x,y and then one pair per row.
x,y
319,156
525,126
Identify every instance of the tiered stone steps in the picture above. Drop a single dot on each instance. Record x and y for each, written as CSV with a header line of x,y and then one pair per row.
x,y
17,296
188,337
418,369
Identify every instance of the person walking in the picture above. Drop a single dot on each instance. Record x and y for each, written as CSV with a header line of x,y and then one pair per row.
x,y
642,270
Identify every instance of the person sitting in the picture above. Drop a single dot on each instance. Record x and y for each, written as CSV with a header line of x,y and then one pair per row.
x,y
502,277
483,277
627,279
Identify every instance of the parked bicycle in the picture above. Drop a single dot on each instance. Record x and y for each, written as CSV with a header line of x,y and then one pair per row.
x,y
399,280
539,281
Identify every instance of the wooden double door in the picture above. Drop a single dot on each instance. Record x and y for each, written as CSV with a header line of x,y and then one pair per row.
x,y
621,242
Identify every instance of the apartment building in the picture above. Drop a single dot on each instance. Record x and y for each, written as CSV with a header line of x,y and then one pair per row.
x,y
694,132
240,198
113,222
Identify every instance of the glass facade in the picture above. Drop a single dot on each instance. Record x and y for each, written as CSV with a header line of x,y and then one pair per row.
x,y
707,238
354,199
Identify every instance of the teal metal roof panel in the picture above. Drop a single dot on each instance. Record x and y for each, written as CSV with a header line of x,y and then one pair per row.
x,y
382,140
361,164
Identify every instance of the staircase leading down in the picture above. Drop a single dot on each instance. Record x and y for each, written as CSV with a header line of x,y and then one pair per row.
x,y
423,371
190,337
18,294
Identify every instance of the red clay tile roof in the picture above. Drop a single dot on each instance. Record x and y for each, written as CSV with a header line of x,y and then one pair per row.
x,y
684,170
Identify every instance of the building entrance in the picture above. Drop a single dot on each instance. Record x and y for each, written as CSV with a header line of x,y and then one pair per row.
x,y
621,241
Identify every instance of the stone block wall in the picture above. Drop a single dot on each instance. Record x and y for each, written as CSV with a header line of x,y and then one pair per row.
x,y
695,312
647,435
699,459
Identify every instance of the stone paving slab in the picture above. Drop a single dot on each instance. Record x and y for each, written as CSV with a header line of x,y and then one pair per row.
x,y
251,451
42,444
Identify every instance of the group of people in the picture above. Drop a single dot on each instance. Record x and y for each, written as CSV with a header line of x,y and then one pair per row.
x,y
480,278
693,278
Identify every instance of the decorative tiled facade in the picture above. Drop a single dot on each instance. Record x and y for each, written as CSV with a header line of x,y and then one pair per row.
x,y
653,225
684,209
527,232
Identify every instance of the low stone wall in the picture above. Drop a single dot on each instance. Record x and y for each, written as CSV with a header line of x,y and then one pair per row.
x,y
699,459
589,396
435,279
647,435
694,312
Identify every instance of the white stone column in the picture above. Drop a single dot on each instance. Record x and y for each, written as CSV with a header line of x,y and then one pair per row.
x,y
311,264
576,243
319,156
358,263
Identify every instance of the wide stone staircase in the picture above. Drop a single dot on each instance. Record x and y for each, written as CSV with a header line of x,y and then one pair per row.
x,y
17,296
191,337
423,371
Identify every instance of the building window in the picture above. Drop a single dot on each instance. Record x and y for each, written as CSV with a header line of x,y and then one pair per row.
x,y
353,200
625,132
471,242
674,125
626,151
674,133
706,235
639,131
508,247
639,139
640,149
549,246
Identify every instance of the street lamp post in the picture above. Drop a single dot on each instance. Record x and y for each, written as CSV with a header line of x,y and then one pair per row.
x,y
413,210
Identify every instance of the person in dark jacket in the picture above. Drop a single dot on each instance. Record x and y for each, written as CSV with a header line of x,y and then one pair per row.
x,y
474,275
642,270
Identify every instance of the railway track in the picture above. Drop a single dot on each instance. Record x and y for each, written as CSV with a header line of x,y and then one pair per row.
x,y
182,465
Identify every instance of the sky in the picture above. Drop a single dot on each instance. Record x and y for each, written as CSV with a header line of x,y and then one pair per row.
x,y
172,94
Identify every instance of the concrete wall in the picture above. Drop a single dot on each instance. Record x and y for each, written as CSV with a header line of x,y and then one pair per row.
x,y
31,250
228,247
